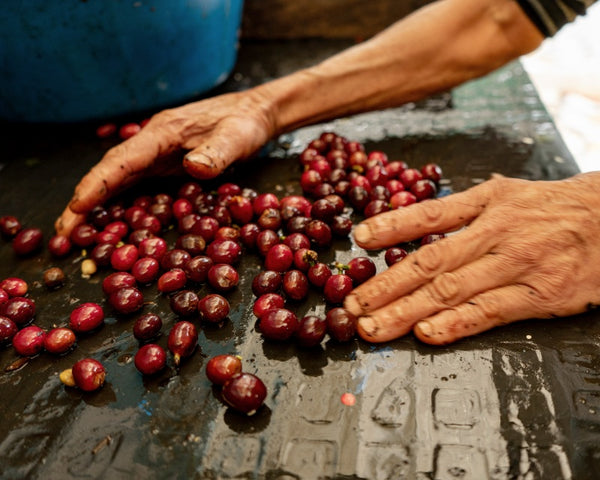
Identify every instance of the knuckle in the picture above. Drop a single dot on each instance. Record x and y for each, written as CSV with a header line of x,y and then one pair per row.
x,y
433,211
550,294
445,288
489,307
428,260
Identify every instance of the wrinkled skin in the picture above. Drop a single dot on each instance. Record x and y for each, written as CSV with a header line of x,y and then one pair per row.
x,y
203,129
529,250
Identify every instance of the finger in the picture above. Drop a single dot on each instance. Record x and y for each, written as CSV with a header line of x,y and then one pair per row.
x,y
483,312
432,216
445,291
221,147
420,267
120,166
68,221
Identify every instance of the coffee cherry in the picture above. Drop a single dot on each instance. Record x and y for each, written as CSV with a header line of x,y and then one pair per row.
x,y
182,341
302,204
278,324
336,288
102,253
171,281
409,177
265,240
375,207
88,374
29,341
395,168
59,246
341,226
196,269
8,329
311,331
86,317
394,255
27,241
99,217
304,258
223,277
192,243
20,310
432,172
150,359
319,233
154,247
360,269
184,303
213,308
83,235
129,130
266,281
189,191
432,238
245,392
296,241
126,300
14,286
124,257
267,302
224,251
240,209
323,210
145,270
423,189
295,285
147,327
318,274
222,368
264,201
118,227
9,226
248,235
341,324
269,219
59,340
279,258
116,281
176,258
402,199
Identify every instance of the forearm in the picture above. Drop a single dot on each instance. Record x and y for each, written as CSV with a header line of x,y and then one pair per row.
x,y
434,49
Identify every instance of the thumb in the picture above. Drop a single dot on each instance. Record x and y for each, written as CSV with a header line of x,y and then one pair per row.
x,y
68,221
213,156
231,141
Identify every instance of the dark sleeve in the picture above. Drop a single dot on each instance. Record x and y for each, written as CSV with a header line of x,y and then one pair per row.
x,y
550,16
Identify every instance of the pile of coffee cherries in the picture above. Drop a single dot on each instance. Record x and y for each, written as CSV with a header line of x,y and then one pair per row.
x,y
340,182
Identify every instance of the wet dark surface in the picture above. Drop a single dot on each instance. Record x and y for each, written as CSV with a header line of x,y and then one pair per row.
x,y
516,402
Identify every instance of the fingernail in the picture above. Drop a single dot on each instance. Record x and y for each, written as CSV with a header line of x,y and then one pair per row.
x,y
425,328
352,304
362,233
368,325
196,158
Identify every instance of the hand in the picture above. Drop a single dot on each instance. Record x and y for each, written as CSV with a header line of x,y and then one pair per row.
x,y
215,132
528,250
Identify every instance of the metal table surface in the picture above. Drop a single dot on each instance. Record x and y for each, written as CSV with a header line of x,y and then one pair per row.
x,y
520,402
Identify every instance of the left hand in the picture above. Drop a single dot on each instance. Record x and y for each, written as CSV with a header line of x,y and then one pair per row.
x,y
529,249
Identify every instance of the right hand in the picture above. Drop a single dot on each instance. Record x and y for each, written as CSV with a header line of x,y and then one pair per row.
x,y
215,132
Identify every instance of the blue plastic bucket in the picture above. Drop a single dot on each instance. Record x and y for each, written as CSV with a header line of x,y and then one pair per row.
x,y
74,60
